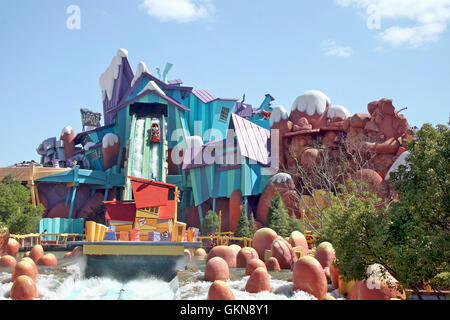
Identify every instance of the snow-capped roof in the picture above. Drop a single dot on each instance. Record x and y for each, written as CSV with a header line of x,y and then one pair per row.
x,y
154,87
278,113
67,130
111,74
109,140
141,68
281,177
338,111
312,102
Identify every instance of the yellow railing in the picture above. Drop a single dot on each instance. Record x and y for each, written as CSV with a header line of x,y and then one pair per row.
x,y
40,238
224,240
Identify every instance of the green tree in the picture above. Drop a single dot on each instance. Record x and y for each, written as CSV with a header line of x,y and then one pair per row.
x,y
419,239
296,224
210,223
411,238
253,226
278,217
243,226
16,211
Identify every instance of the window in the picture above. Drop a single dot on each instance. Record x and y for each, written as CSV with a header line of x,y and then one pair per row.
x,y
224,114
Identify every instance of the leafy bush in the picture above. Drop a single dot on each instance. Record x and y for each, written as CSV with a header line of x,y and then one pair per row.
x,y
210,223
243,227
16,211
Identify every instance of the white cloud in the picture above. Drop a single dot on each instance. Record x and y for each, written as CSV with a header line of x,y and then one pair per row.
x,y
178,10
333,49
425,20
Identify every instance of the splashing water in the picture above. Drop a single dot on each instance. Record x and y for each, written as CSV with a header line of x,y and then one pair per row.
x,y
68,283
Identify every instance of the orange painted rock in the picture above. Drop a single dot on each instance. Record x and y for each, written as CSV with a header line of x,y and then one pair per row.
x,y
236,248
244,256
258,281
226,253
28,259
67,255
325,254
12,247
297,239
285,186
37,252
308,275
282,251
262,240
77,252
27,254
329,298
217,269
235,205
24,268
254,264
272,264
48,260
200,252
219,290
24,288
8,261
334,273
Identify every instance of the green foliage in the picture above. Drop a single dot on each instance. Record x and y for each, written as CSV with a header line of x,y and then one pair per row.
x,y
419,240
210,223
253,226
16,211
243,227
411,239
278,217
355,228
296,224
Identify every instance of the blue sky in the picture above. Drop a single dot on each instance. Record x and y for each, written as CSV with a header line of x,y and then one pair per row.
x,y
355,51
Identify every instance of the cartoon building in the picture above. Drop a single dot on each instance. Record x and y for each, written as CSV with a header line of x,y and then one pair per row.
x,y
160,131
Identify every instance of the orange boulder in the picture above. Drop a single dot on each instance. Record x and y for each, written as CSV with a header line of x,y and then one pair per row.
x,y
258,281
12,247
244,256
36,252
48,260
226,253
272,264
325,254
308,275
217,269
297,239
24,288
24,268
219,290
262,240
8,261
282,251
254,264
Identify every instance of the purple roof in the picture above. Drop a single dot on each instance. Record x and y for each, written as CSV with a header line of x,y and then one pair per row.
x,y
204,95
244,110
253,140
